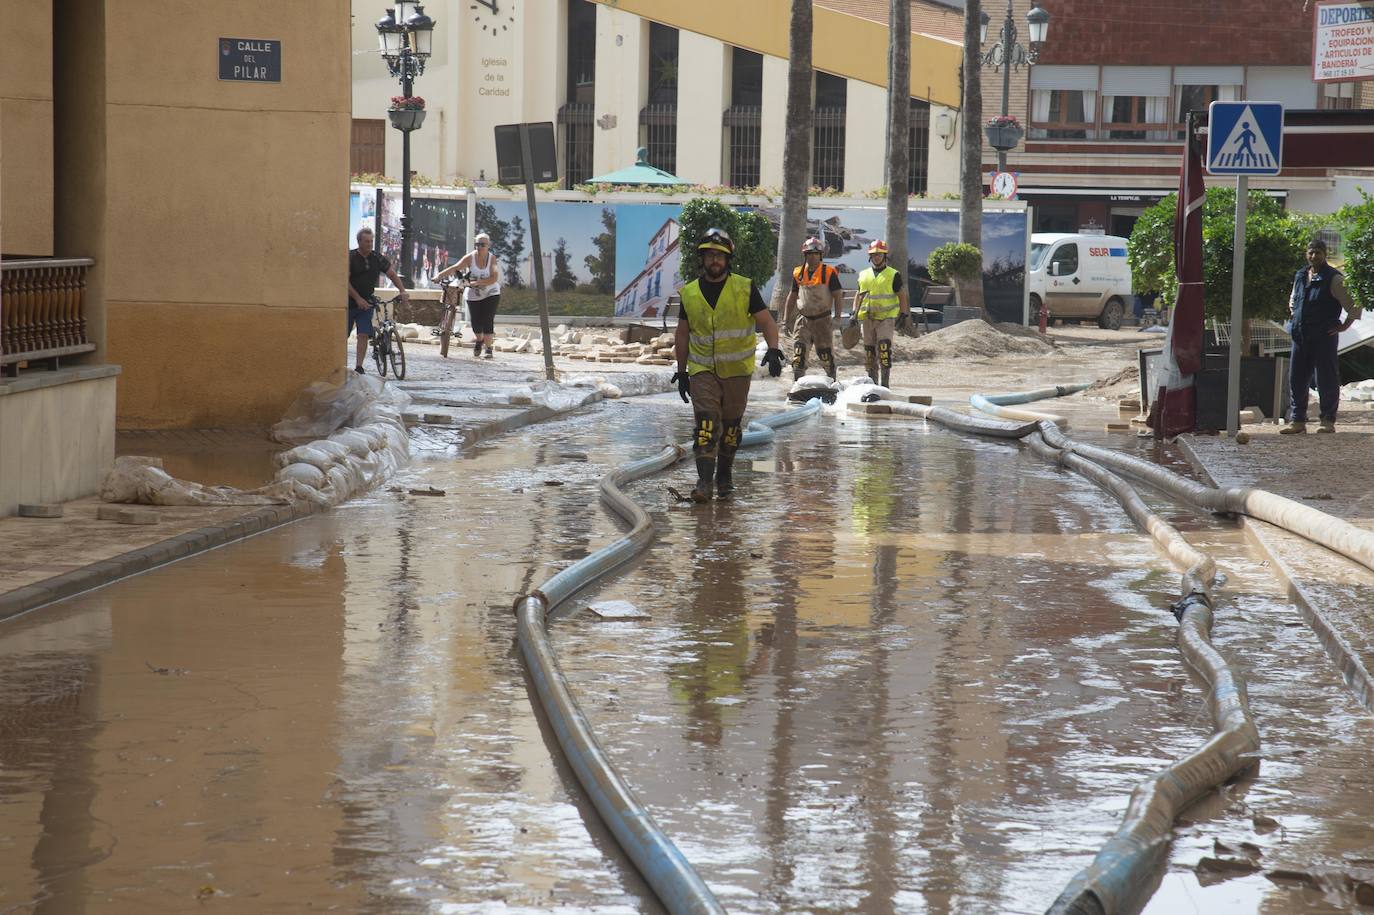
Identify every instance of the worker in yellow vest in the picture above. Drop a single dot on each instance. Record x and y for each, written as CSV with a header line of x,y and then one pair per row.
x,y
880,307
714,345
817,286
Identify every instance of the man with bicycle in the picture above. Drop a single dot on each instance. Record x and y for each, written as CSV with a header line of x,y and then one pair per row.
x,y
365,268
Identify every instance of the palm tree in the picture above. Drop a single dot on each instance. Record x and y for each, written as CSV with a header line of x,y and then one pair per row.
x,y
898,129
971,151
796,154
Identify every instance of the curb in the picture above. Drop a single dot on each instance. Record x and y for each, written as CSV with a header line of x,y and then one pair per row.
x,y
1348,662
99,574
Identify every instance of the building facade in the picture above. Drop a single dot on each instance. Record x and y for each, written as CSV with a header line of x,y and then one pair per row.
x,y
167,259
703,88
1104,107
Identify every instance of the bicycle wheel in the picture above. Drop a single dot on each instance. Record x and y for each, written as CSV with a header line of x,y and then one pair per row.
x,y
397,354
445,330
379,352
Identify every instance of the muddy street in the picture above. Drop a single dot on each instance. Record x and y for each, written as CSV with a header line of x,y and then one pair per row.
x,y
902,670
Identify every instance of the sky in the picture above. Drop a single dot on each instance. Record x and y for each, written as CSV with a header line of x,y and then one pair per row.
x,y
577,223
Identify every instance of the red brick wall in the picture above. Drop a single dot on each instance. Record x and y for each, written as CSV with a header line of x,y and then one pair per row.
x,y
1272,33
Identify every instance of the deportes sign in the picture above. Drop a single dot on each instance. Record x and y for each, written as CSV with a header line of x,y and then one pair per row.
x,y
1343,41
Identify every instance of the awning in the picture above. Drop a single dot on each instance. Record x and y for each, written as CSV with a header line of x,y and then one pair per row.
x,y
639,173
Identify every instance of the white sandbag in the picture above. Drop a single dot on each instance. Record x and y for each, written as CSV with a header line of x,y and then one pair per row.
x,y
308,454
354,441
308,474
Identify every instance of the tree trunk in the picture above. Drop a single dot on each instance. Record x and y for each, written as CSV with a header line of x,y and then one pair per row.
x,y
898,134
971,149
796,156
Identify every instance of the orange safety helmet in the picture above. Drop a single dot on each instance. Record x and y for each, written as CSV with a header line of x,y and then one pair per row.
x,y
813,245
877,247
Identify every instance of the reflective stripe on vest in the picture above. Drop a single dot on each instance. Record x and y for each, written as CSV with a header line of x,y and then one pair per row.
x,y
720,339
880,302
813,292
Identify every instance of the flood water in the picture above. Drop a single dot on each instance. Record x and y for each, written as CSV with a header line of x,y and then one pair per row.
x,y
901,671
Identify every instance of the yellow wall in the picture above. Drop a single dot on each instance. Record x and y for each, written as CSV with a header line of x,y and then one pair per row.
x,y
26,112
844,45
220,216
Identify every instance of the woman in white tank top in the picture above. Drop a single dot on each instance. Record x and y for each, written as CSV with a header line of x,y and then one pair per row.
x,y
483,293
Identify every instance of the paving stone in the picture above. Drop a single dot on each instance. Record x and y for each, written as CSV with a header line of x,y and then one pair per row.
x,y
40,510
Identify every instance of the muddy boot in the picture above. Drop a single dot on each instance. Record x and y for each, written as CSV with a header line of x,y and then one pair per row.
x,y
725,481
706,470
884,360
871,362
798,360
886,372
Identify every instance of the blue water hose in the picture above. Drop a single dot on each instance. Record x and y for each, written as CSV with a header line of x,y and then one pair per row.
x,y
667,871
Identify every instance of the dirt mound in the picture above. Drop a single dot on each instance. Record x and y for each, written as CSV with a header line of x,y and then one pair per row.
x,y
976,340
1125,383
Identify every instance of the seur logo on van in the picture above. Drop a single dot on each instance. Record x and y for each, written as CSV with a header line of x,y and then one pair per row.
x,y
1106,252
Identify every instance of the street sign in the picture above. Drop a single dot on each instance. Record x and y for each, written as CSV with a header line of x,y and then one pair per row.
x,y
510,164
250,60
1343,41
1244,138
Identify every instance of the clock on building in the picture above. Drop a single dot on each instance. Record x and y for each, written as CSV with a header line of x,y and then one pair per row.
x,y
492,13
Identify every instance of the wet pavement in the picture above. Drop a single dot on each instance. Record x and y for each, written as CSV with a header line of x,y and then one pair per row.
x,y
901,671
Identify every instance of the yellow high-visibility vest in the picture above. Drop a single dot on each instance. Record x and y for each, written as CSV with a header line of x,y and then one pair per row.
x,y
881,302
721,339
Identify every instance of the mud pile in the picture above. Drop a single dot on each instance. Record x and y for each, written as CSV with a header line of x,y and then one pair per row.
x,y
967,340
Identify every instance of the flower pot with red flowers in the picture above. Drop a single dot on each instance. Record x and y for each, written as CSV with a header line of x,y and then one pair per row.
x,y
1004,132
407,112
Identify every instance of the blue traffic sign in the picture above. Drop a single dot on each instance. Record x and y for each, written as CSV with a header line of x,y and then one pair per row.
x,y
1244,138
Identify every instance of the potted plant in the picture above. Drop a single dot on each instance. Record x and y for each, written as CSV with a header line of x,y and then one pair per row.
x,y
407,112
1004,132
960,266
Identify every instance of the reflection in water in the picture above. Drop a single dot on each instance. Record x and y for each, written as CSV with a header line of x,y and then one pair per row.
x,y
901,671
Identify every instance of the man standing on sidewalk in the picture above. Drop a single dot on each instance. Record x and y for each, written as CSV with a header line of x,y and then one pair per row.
x,y
817,285
1319,295
714,345
365,268
880,307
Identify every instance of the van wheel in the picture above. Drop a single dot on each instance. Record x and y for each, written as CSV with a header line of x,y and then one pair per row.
x,y
1035,308
1112,313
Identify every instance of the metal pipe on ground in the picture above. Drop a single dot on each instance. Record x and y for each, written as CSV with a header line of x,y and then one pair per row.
x,y
667,871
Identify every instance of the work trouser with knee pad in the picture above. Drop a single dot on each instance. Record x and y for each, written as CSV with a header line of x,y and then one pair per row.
x,y
878,346
718,408
818,331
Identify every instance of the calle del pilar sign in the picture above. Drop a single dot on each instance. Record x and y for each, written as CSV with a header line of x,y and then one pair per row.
x,y
250,60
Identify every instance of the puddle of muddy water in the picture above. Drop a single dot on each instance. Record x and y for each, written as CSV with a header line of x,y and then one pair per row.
x,y
900,671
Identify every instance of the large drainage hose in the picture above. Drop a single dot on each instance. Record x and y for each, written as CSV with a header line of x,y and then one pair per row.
x,y
1001,404
1123,869
663,866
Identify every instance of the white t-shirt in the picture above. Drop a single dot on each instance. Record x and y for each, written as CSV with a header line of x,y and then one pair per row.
x,y
472,294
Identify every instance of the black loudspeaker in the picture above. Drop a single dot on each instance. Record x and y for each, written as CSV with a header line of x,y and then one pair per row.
x,y
510,168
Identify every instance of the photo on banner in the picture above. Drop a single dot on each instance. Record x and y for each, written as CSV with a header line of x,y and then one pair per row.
x,y
1004,255
578,242
362,211
438,234
646,258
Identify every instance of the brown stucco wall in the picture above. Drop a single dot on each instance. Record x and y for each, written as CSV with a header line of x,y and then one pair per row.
x,y
223,225
26,113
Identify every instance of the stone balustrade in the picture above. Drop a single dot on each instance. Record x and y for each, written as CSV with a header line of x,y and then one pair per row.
x,y
42,309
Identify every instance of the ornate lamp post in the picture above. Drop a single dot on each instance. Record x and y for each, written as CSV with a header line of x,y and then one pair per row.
x,y
1007,55
406,36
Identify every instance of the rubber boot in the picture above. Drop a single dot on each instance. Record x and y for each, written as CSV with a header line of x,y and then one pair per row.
x,y
725,480
871,362
886,372
706,471
798,360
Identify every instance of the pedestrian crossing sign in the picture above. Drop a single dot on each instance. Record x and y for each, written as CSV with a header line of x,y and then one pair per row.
x,y
1244,138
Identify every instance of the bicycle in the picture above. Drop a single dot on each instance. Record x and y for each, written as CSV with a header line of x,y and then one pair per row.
x,y
453,298
386,341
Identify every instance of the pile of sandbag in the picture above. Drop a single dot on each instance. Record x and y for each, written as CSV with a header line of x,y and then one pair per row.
x,y
364,439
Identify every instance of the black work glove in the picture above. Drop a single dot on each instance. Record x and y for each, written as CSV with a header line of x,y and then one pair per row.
x,y
773,359
903,319
684,386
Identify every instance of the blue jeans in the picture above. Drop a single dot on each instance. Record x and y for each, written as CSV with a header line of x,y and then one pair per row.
x,y
1315,351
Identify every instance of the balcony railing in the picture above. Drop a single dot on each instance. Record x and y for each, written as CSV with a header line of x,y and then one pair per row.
x,y
42,310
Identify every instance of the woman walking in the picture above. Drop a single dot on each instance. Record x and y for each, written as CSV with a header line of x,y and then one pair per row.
x,y
483,292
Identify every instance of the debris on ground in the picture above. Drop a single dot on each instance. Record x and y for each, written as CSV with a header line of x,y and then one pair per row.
x,y
1119,386
965,340
617,610
428,491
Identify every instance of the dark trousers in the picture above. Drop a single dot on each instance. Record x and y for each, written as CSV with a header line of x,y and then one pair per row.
x,y
1315,352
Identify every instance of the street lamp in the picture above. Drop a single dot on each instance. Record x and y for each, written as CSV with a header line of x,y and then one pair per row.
x,y
405,37
1007,55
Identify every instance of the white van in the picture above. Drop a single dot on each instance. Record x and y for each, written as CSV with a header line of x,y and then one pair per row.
x,y
1080,277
